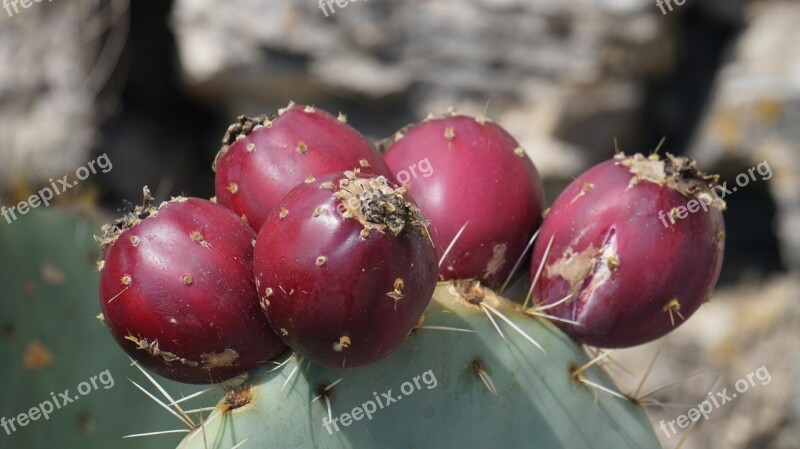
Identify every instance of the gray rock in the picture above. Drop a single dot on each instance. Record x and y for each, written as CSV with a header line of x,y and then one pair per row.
x,y
50,74
755,111
564,77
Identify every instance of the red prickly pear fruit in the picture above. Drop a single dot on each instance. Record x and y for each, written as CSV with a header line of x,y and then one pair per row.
x,y
263,158
629,269
177,291
345,269
469,171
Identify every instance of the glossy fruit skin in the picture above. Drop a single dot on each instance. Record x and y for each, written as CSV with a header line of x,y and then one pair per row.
x,y
623,264
478,174
335,297
260,163
177,293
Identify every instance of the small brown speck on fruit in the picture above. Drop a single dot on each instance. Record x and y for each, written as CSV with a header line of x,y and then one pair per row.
x,y
519,151
365,233
546,213
244,218
188,279
233,188
321,260
612,262
310,179
197,236
318,211
126,280
251,147
134,241
283,213
302,148
364,163
343,343
449,133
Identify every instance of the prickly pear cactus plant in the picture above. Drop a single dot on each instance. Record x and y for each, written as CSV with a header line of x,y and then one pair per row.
x,y
52,347
477,371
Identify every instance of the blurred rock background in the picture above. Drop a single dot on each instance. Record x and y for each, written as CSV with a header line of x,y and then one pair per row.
x,y
154,85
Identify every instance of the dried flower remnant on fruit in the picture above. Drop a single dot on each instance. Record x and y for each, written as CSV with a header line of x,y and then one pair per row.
x,y
242,128
112,231
678,173
376,205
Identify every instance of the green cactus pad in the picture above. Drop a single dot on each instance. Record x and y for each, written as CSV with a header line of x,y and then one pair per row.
x,y
51,341
538,403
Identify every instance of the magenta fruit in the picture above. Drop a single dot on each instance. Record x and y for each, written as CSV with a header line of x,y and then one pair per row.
x,y
344,269
468,171
636,248
177,291
263,158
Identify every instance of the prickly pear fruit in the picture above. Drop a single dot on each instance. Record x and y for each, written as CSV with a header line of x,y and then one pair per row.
x,y
177,291
344,269
263,158
613,256
469,173
51,343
